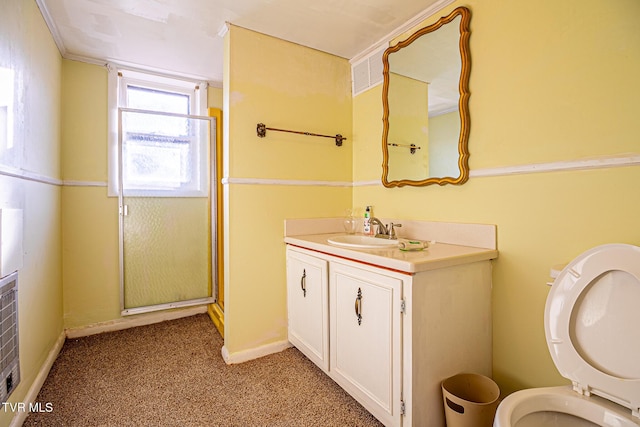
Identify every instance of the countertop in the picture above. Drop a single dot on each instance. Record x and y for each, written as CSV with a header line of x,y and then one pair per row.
x,y
437,255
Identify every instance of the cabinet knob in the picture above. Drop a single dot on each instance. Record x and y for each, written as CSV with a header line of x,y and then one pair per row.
x,y
303,283
358,306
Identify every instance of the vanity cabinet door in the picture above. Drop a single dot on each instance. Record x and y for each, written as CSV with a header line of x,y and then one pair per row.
x,y
365,338
307,306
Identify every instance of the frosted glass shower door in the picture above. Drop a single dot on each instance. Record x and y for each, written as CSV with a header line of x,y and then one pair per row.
x,y
165,210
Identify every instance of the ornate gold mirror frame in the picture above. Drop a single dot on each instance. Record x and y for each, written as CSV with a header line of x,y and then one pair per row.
x,y
463,104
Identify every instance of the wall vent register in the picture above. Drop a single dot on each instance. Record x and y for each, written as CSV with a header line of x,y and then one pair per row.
x,y
367,72
9,360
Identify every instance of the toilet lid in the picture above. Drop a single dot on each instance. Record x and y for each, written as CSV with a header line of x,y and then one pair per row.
x,y
592,323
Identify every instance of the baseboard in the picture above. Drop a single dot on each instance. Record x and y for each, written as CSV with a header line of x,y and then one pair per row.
x,y
217,317
133,321
254,353
32,394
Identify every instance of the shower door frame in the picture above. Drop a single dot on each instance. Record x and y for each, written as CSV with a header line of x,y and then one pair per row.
x,y
213,213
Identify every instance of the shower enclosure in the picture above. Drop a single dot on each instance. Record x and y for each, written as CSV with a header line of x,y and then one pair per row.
x,y
167,217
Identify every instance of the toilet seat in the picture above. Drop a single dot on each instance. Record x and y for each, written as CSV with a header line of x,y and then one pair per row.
x,y
592,323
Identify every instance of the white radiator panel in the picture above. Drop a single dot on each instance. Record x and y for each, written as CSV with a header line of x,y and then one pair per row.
x,y
9,356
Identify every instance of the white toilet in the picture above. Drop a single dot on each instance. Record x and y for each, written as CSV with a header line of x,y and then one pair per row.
x,y
592,325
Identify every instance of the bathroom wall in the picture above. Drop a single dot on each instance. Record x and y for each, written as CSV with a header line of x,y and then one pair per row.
x,y
214,97
30,179
285,86
90,219
550,82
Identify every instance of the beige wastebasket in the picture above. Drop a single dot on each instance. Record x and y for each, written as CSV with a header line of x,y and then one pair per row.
x,y
470,400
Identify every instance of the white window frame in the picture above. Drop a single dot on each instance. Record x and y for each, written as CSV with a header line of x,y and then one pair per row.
x,y
118,80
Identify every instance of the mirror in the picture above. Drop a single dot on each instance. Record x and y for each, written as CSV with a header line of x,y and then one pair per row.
x,y
425,99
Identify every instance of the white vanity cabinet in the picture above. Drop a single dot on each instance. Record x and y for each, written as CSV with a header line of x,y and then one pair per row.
x,y
365,338
307,306
393,335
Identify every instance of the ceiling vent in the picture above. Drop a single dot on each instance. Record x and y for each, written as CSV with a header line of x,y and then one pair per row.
x,y
367,72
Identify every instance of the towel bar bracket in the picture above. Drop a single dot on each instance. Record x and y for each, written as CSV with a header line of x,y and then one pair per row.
x,y
412,147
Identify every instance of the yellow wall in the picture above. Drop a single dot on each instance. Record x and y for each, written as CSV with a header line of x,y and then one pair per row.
x,y
214,97
285,86
27,49
90,218
90,256
550,81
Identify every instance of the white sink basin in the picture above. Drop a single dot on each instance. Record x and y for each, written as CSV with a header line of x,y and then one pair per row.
x,y
357,241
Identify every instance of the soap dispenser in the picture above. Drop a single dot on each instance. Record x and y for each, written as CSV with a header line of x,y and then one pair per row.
x,y
367,221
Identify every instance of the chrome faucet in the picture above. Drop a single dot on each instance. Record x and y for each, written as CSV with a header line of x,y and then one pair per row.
x,y
384,231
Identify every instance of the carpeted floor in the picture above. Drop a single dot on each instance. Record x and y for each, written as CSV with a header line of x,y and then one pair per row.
x,y
172,374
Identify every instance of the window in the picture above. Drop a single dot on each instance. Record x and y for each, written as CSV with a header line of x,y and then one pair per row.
x,y
164,147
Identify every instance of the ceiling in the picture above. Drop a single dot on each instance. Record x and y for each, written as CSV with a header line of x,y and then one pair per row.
x,y
182,37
